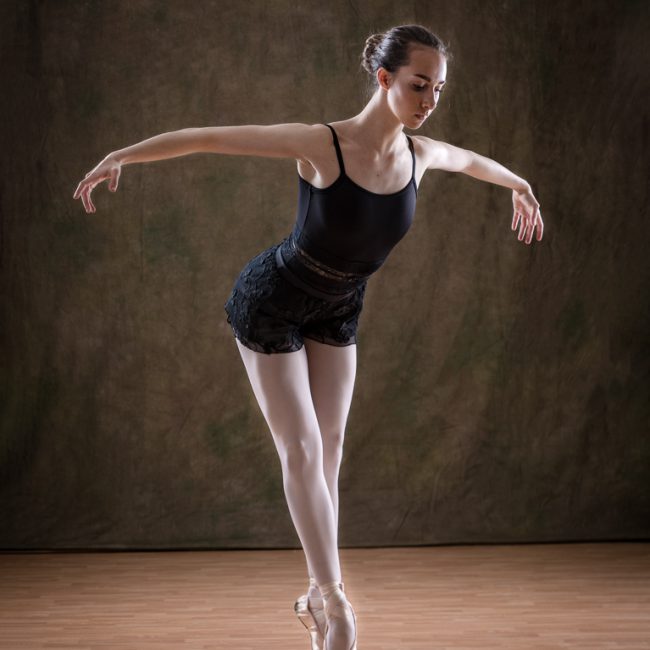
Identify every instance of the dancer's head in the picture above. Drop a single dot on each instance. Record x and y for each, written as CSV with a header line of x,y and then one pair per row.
x,y
409,64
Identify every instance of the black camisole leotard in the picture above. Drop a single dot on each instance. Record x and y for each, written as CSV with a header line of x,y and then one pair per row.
x,y
343,233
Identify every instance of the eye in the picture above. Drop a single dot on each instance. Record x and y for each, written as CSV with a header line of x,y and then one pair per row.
x,y
418,88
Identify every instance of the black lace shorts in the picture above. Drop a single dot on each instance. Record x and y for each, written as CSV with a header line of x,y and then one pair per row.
x,y
269,314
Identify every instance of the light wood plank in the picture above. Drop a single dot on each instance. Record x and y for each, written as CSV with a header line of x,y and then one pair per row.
x,y
537,596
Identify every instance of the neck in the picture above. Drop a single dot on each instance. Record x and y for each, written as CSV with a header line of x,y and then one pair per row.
x,y
377,125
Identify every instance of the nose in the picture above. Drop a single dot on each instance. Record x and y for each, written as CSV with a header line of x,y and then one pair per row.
x,y
429,102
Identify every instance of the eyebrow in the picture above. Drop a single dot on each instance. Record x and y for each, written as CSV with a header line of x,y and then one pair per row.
x,y
423,76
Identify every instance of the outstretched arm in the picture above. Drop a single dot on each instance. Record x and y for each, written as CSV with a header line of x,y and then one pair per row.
x,y
526,212
293,140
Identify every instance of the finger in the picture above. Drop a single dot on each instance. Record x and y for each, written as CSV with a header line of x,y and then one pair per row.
x,y
84,200
89,204
115,175
514,219
79,190
90,201
84,196
540,228
531,227
535,224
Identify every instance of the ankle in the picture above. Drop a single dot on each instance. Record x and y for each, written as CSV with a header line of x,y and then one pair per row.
x,y
328,588
314,589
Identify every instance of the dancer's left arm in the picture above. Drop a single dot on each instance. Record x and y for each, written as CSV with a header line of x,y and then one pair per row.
x,y
526,213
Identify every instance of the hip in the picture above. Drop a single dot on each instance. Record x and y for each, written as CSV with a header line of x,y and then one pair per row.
x,y
268,286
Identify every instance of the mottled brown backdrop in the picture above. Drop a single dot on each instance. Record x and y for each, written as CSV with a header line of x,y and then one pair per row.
x,y
502,389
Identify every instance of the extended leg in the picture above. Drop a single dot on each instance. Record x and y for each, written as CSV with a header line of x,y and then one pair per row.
x,y
332,371
280,383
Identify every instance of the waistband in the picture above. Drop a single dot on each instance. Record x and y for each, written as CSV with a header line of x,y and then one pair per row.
x,y
298,267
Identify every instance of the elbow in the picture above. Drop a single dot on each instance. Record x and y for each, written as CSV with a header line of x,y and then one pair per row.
x,y
467,161
201,139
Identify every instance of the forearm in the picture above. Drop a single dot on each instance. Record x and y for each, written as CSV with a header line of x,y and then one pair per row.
x,y
159,147
486,169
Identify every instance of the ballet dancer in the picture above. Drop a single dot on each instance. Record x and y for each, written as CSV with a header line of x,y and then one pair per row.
x,y
294,308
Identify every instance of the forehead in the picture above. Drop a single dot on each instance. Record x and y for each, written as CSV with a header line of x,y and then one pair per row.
x,y
426,63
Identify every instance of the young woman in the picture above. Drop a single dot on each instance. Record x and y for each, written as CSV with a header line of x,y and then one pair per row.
x,y
295,306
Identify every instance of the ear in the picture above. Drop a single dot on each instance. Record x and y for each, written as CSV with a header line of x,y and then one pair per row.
x,y
384,78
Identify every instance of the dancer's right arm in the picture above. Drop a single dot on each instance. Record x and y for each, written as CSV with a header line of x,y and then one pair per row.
x,y
292,140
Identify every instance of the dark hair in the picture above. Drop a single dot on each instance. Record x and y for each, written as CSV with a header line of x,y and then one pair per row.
x,y
391,50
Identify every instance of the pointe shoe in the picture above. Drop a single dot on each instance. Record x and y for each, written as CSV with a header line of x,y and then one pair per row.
x,y
337,605
312,616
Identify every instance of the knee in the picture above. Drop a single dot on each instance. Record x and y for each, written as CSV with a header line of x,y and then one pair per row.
x,y
333,441
301,456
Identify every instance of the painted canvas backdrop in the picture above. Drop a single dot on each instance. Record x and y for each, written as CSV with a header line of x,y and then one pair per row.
x,y
501,392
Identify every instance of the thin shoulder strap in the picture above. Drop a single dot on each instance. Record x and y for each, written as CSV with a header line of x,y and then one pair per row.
x,y
408,137
338,148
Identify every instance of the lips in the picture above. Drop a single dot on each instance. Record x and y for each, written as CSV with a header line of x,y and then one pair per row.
x,y
419,116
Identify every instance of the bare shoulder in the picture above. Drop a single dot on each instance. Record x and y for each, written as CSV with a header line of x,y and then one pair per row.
x,y
436,154
427,150
317,142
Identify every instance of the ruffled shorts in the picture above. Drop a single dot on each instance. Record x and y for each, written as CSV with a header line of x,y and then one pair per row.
x,y
269,314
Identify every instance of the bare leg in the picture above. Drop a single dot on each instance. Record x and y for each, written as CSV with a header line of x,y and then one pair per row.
x,y
280,383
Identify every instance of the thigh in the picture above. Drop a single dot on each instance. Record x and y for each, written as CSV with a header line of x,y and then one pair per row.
x,y
280,383
332,370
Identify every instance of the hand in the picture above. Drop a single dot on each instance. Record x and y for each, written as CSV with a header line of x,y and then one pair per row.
x,y
526,209
107,169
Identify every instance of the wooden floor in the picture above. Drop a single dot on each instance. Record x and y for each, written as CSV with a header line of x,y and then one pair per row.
x,y
518,597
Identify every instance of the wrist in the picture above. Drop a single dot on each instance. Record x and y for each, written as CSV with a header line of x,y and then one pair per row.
x,y
115,156
522,186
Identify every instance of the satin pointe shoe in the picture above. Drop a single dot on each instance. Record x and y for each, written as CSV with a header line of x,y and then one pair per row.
x,y
312,616
338,606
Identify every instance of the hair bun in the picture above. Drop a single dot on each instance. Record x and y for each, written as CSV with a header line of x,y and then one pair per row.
x,y
392,49
372,42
